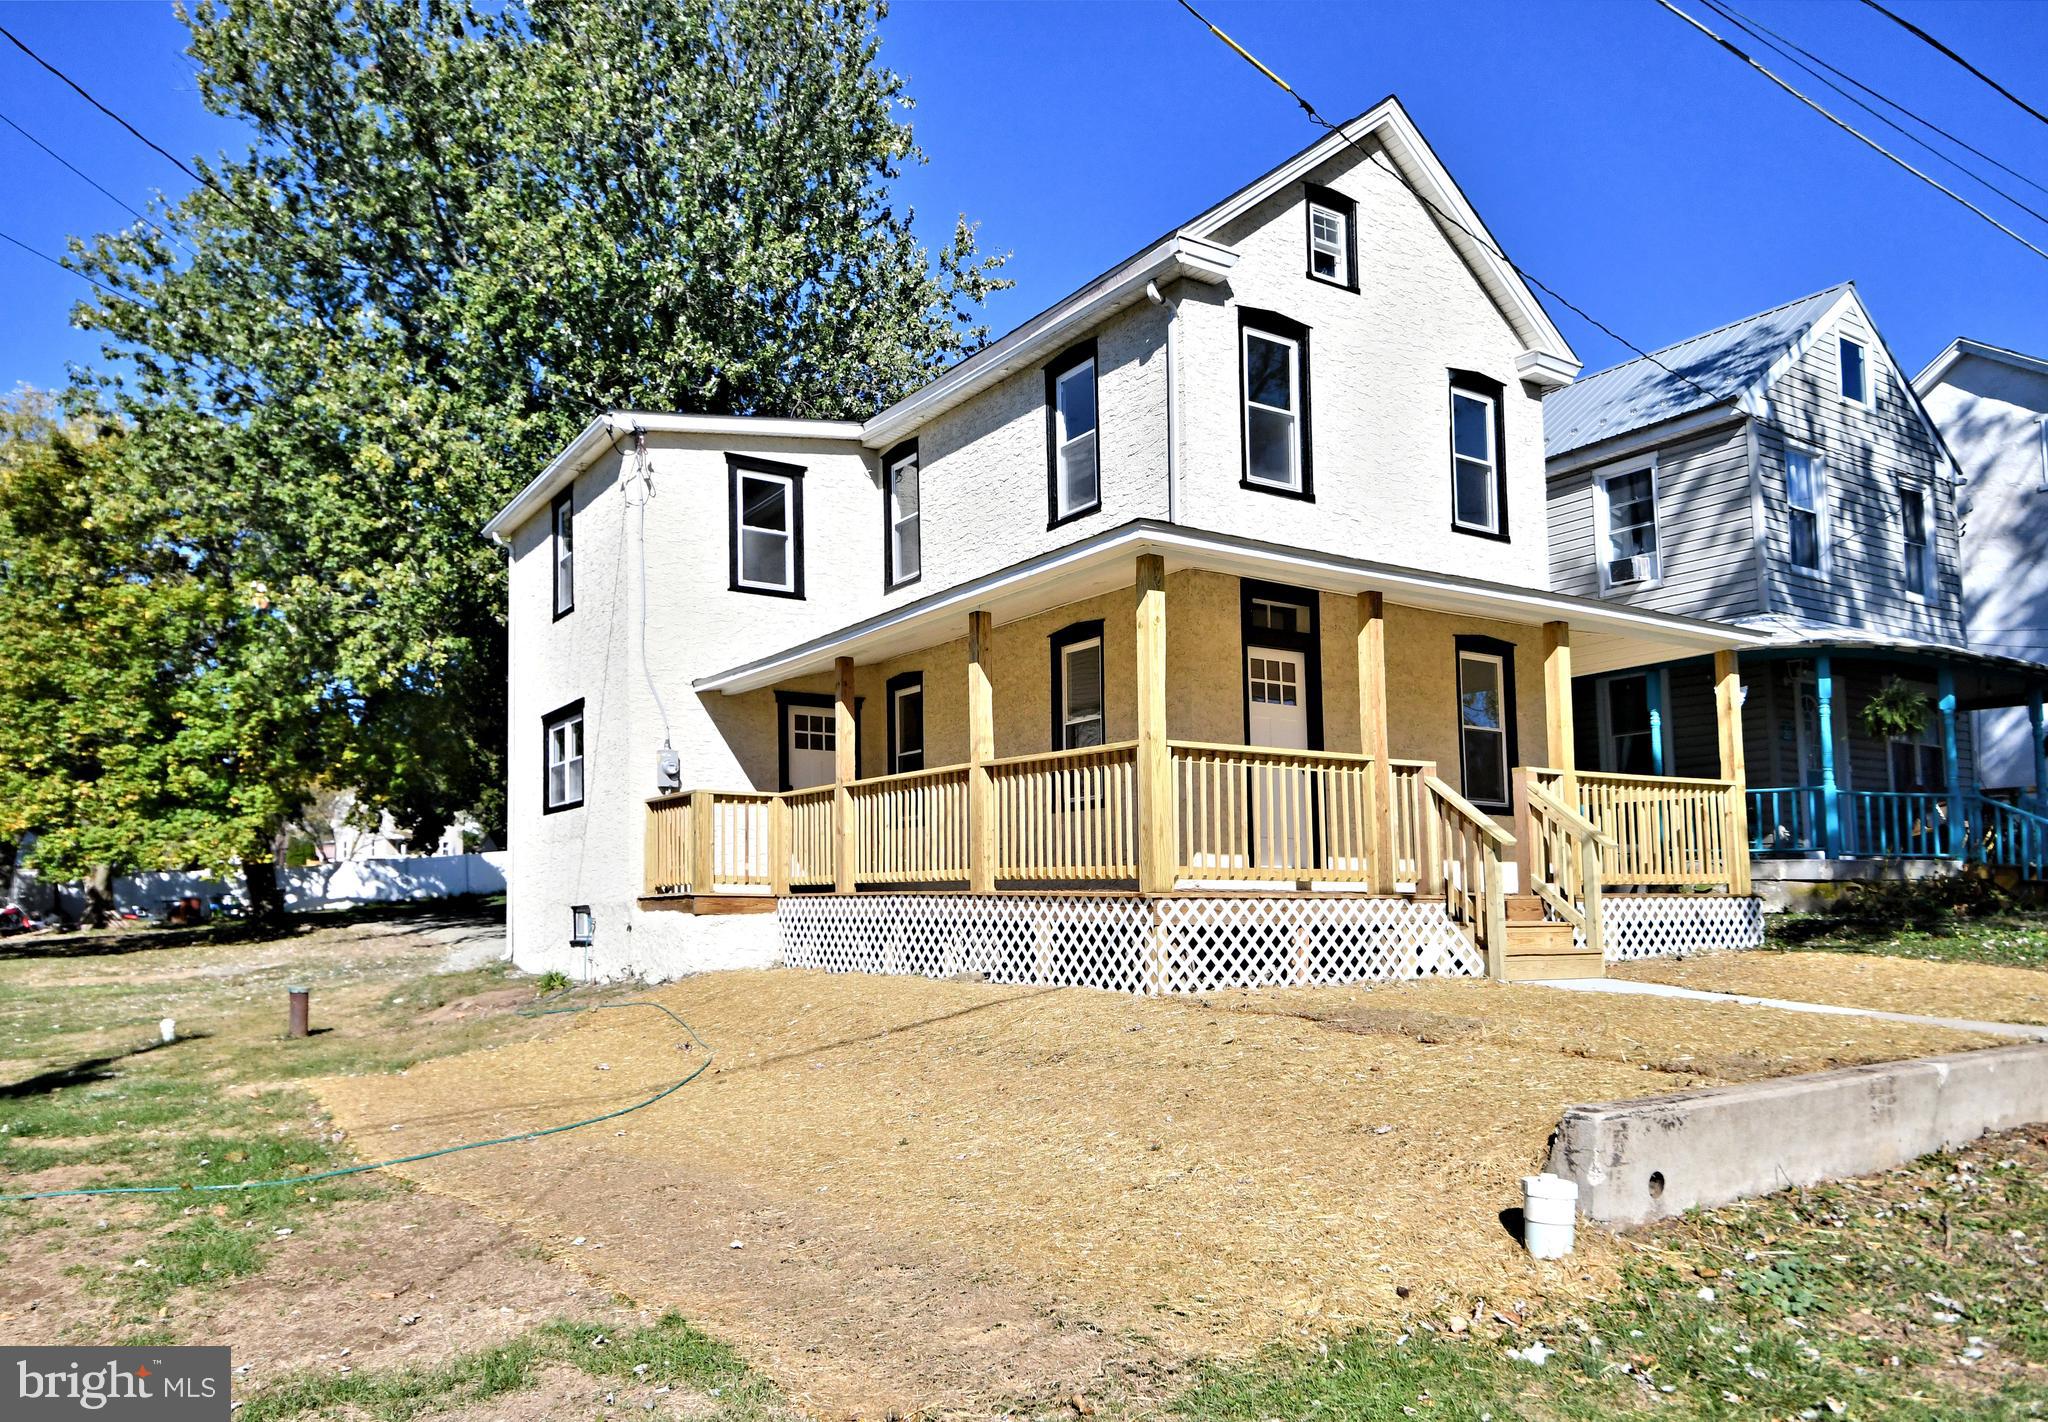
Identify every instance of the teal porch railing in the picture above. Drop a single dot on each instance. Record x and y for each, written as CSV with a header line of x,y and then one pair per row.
x,y
1898,824
2005,836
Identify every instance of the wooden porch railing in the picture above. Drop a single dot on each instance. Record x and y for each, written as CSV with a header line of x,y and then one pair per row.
x,y
1661,830
1070,814
911,828
1462,861
1564,852
1413,845
1252,812
812,838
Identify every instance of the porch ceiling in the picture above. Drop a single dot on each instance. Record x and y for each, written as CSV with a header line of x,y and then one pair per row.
x,y
1606,636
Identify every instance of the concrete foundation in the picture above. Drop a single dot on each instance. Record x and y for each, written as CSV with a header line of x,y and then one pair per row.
x,y
1644,1160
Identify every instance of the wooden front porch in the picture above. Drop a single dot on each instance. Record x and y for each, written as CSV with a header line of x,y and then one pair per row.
x,y
1155,816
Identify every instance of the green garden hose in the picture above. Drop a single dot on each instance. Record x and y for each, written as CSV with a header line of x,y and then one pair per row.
x,y
666,1091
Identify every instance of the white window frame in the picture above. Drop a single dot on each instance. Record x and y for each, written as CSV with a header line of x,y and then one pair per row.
x,y
1500,681
1064,506
1929,588
1603,526
788,534
898,573
562,543
1868,399
1244,356
1823,498
555,758
1492,527
1067,718
1341,249
898,753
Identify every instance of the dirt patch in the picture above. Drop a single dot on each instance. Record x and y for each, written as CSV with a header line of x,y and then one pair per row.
x,y
1977,991
950,1193
483,1004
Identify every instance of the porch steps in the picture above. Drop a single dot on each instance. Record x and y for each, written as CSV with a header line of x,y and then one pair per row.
x,y
1539,950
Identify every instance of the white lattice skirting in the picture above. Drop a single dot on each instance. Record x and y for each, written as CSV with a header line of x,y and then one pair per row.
x,y
1660,925
1128,944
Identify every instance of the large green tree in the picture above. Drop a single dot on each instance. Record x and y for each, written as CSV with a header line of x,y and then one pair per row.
x,y
461,232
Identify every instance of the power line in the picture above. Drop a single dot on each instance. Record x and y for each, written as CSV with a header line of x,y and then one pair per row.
x,y
88,178
1758,31
1375,160
80,89
1910,28
1892,103
1850,129
60,266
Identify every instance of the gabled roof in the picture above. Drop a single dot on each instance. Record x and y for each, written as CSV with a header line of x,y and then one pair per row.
x,y
1714,368
1938,368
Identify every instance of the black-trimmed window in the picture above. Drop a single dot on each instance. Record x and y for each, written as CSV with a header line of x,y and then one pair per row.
x,y
582,926
562,758
906,722
1479,455
1079,714
1273,391
901,522
562,550
767,513
1073,446
1332,238
1486,721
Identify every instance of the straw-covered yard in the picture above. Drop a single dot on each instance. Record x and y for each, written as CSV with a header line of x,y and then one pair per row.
x,y
1984,992
911,1195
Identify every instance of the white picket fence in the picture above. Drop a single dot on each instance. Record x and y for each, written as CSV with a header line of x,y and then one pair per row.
x,y
317,886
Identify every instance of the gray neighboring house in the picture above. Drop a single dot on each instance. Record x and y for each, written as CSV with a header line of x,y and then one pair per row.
x,y
1780,473
1991,405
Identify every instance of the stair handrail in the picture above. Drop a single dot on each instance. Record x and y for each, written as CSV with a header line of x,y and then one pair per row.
x,y
1489,933
1590,846
2031,824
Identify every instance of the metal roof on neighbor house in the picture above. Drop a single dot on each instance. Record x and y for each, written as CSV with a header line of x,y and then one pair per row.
x,y
1710,369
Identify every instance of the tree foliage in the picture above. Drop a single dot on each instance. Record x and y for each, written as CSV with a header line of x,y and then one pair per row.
x,y
462,231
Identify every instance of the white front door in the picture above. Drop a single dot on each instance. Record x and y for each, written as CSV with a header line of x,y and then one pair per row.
x,y
813,746
1283,813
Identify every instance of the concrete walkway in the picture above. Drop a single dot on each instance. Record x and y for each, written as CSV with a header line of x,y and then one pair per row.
x,y
1825,1009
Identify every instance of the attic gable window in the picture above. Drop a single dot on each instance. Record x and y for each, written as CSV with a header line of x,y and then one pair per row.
x,y
1855,372
1332,239
1072,473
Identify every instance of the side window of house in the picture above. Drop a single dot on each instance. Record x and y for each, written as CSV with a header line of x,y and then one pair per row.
x,y
767,513
1855,364
900,515
1274,380
1332,238
1806,508
564,549
1628,512
1073,475
561,734
1486,710
1077,702
906,722
1917,551
1479,478
582,926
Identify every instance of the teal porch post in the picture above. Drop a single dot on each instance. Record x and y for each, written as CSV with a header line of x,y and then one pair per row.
x,y
1951,767
2034,723
1653,692
1830,805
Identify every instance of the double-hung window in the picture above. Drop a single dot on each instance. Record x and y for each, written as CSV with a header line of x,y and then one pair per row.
x,y
1628,505
563,544
1917,551
1485,721
1073,470
1332,241
561,734
767,512
1478,456
1806,498
1273,369
900,510
906,722
1077,702
1855,363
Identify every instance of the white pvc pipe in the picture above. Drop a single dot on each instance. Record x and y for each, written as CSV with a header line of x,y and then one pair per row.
x,y
1550,1207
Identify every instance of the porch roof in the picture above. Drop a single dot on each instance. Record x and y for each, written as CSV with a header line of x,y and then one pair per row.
x,y
1990,679
1606,636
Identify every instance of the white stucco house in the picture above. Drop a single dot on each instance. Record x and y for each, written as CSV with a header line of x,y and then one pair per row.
x,y
1198,631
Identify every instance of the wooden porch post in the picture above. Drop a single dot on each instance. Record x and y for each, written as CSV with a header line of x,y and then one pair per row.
x,y
1373,737
2034,724
1559,733
1155,759
1951,764
981,749
1728,724
703,829
845,770
1830,799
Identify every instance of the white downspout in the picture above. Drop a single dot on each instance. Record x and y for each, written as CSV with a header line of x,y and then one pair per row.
x,y
1172,399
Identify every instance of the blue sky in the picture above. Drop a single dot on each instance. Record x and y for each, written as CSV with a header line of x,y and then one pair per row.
x,y
1614,152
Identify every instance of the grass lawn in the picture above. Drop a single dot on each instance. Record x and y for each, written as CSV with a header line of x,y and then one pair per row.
x,y
1917,1293
1940,921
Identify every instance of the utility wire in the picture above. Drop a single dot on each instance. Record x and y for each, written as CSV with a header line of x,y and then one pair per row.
x,y
1756,31
80,89
1376,161
1851,129
88,178
1910,28
60,266
1889,102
